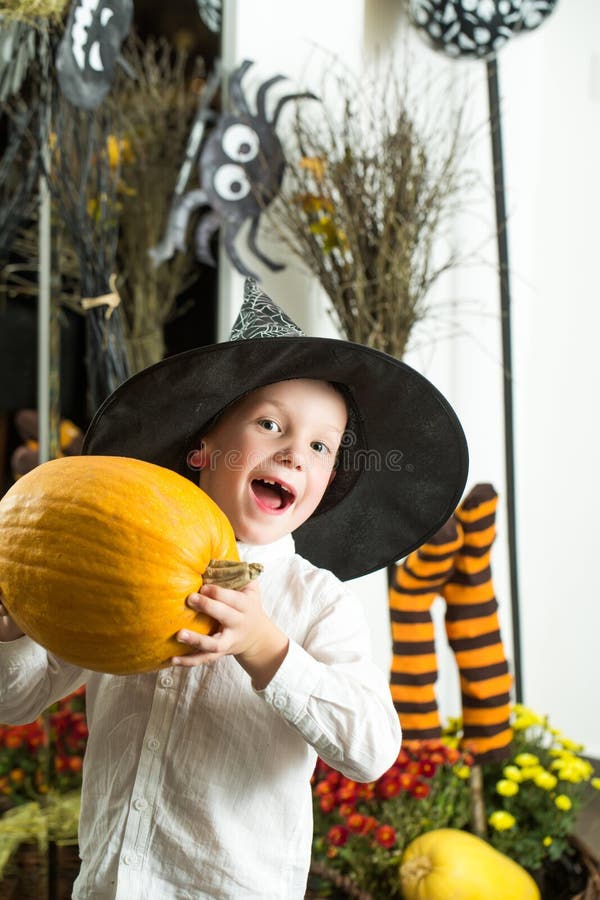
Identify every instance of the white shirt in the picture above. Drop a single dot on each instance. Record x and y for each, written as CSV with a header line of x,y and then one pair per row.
x,y
197,786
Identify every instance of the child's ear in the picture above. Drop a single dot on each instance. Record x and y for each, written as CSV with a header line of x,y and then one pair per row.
x,y
196,459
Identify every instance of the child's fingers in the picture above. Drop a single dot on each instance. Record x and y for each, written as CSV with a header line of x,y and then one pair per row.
x,y
207,648
212,592
217,609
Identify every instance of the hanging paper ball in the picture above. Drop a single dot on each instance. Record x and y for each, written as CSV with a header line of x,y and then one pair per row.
x,y
474,29
533,12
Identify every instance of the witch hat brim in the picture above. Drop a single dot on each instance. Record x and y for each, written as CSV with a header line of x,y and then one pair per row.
x,y
404,459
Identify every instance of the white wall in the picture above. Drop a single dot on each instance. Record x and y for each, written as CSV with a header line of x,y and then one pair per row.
x,y
552,106
550,85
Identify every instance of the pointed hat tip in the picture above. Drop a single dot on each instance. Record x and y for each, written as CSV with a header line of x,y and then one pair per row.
x,y
260,317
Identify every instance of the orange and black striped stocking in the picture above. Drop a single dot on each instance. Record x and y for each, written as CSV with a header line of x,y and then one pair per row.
x,y
473,630
416,583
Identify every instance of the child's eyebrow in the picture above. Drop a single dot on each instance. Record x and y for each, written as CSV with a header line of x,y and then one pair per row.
x,y
282,407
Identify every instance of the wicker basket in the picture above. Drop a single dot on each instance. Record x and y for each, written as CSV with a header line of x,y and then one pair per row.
x,y
341,887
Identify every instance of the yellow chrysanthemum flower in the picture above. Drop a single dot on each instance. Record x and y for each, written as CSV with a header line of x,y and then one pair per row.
x,y
526,760
530,773
547,841
563,802
507,788
546,780
526,718
571,745
513,773
501,820
595,783
463,772
573,769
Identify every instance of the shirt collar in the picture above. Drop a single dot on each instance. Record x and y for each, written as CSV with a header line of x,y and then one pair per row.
x,y
260,553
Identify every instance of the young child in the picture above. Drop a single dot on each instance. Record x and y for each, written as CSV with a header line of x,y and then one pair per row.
x,y
197,777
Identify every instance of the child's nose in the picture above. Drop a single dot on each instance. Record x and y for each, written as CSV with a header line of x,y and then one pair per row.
x,y
291,457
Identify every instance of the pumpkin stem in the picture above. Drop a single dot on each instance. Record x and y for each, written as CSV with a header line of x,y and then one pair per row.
x,y
414,870
230,574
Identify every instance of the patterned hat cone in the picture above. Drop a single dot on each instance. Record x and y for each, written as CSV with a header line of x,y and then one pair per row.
x,y
259,317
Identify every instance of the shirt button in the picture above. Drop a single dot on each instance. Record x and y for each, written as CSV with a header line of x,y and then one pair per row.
x,y
140,804
129,859
153,744
166,681
278,702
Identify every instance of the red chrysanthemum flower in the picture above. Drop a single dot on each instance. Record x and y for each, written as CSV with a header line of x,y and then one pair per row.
x,y
419,790
427,768
385,836
390,787
338,835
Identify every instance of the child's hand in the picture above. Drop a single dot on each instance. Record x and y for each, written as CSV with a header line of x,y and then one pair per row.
x,y
246,632
9,631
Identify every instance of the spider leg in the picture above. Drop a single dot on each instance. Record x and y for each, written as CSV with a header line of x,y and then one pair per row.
x,y
251,240
236,94
174,238
283,100
206,228
230,233
261,95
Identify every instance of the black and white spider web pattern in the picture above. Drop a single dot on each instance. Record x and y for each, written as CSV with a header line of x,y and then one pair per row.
x,y
259,317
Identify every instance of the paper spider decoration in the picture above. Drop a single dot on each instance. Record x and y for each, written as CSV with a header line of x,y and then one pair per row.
x,y
241,169
90,47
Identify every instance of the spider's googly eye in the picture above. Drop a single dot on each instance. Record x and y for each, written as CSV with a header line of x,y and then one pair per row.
x,y
240,143
231,182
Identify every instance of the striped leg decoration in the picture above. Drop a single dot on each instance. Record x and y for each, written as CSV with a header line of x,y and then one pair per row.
x,y
473,630
417,582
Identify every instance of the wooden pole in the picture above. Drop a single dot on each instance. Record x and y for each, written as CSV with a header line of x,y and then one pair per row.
x,y
505,303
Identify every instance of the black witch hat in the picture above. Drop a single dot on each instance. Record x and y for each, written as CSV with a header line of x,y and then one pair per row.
x,y
403,460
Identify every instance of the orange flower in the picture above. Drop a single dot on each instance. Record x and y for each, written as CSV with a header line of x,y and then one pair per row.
x,y
406,781
356,823
327,803
13,740
323,787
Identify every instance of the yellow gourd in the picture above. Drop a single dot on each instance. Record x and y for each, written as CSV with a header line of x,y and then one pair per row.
x,y
97,556
450,864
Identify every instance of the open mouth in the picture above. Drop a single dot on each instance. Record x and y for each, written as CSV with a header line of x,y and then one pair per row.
x,y
272,495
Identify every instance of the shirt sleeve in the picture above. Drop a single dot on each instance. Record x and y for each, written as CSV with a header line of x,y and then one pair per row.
x,y
32,679
334,695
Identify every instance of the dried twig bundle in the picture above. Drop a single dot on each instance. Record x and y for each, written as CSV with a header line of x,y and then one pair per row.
x,y
368,190
156,109
31,11
82,173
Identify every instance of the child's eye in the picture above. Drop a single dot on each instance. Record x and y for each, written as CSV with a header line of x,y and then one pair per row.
x,y
269,424
320,447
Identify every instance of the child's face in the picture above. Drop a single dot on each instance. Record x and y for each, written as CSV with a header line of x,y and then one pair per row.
x,y
271,456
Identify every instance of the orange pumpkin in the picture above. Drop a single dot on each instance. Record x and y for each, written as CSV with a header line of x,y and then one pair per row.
x,y
97,556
